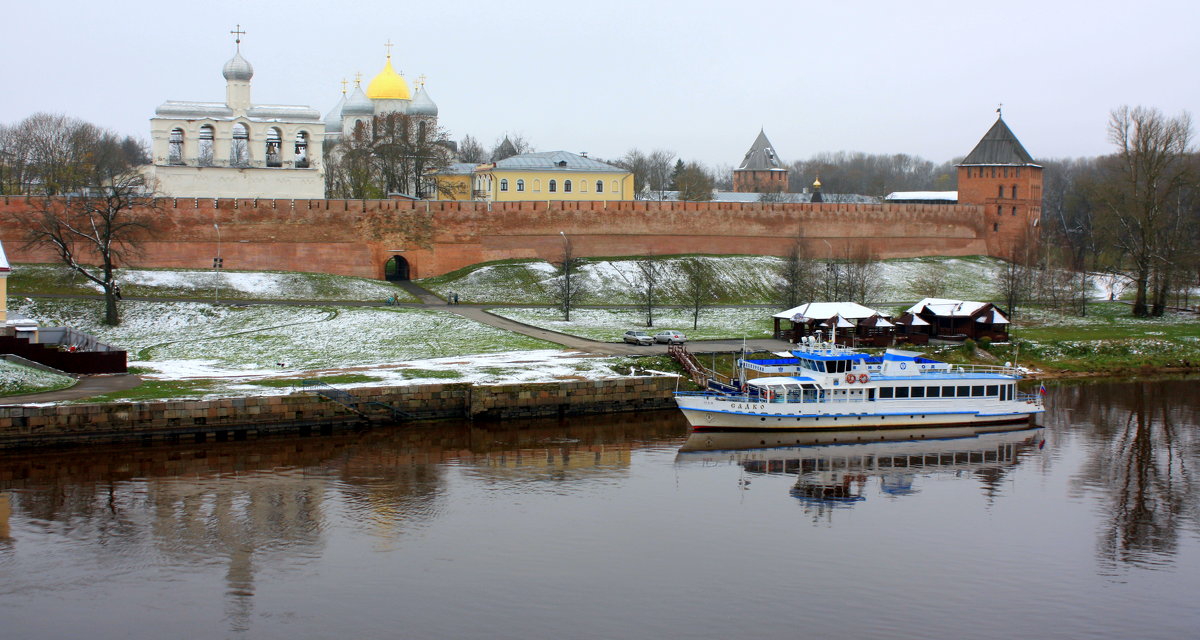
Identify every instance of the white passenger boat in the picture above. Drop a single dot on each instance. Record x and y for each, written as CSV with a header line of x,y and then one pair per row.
x,y
833,388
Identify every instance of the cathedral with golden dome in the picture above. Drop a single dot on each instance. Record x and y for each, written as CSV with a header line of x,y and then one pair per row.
x,y
387,93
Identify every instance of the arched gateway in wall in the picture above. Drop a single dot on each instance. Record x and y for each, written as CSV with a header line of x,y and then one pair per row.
x,y
396,269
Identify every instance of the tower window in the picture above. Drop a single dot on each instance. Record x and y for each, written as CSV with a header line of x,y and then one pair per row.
x,y
239,149
175,147
995,226
274,141
1014,192
1014,211
302,150
999,210
205,157
1001,192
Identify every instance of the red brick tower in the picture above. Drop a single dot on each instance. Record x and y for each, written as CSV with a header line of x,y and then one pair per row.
x,y
1001,175
760,171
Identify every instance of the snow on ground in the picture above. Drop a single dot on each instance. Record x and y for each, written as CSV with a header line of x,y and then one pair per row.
x,y
739,279
245,285
17,379
608,325
253,349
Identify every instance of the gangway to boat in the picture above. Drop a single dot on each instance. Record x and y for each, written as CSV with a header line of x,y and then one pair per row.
x,y
704,377
351,402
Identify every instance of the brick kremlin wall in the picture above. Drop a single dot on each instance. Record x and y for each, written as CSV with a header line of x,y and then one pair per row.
x,y
357,237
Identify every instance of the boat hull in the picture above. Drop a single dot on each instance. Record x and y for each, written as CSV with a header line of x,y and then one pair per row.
x,y
724,416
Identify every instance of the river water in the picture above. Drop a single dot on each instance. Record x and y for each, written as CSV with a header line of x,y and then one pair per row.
x,y
621,527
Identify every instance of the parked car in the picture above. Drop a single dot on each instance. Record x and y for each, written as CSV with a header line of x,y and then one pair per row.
x,y
670,337
639,337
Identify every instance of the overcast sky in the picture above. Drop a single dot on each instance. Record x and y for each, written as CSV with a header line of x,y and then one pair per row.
x,y
698,77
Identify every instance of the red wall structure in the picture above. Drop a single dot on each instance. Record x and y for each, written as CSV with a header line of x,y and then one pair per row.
x,y
358,237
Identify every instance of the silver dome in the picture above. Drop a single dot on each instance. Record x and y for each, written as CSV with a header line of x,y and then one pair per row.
x,y
422,104
358,104
238,68
333,120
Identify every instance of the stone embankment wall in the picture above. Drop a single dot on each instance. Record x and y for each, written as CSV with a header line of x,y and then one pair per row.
x,y
238,418
358,237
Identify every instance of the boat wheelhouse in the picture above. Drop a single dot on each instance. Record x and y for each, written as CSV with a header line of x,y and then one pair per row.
x,y
829,387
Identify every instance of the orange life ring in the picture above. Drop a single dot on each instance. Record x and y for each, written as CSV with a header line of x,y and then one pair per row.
x,y
864,378
850,378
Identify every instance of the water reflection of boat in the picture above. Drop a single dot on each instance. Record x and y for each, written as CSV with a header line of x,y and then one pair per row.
x,y
834,467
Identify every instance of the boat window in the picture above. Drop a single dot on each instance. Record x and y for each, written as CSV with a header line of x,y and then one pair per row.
x,y
964,392
933,392
947,392
918,392
977,391
870,395
901,392
885,392
992,390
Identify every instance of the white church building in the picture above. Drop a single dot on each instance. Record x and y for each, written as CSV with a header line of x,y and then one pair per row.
x,y
235,148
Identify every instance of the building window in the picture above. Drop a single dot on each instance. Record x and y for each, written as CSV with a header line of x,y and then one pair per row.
x,y
1014,211
583,186
239,148
302,150
614,186
553,186
1018,172
537,186
504,184
205,156
566,186
175,147
1001,192
1014,192
521,185
999,210
274,141
995,226
599,186
1005,172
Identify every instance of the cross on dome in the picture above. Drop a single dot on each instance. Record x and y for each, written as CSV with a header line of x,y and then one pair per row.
x,y
388,45
237,36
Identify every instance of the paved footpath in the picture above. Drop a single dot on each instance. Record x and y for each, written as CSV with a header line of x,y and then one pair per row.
x,y
87,386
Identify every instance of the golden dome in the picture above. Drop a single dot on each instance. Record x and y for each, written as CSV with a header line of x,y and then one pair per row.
x,y
388,85
817,183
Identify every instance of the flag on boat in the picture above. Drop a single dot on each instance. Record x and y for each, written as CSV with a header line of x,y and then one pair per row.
x,y
1042,389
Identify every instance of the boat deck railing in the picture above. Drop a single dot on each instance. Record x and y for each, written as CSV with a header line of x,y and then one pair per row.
x,y
971,368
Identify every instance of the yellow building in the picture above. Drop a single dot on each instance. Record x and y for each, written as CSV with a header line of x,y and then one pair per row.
x,y
549,175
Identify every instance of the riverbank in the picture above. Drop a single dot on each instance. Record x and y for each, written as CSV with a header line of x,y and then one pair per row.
x,y
323,410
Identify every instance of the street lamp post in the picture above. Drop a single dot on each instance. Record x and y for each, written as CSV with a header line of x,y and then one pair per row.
x,y
217,263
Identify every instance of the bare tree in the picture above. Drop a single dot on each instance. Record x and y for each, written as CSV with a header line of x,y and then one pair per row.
x,y
567,287
929,281
863,276
649,284
1149,173
698,289
798,277
651,171
469,150
108,212
1015,282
